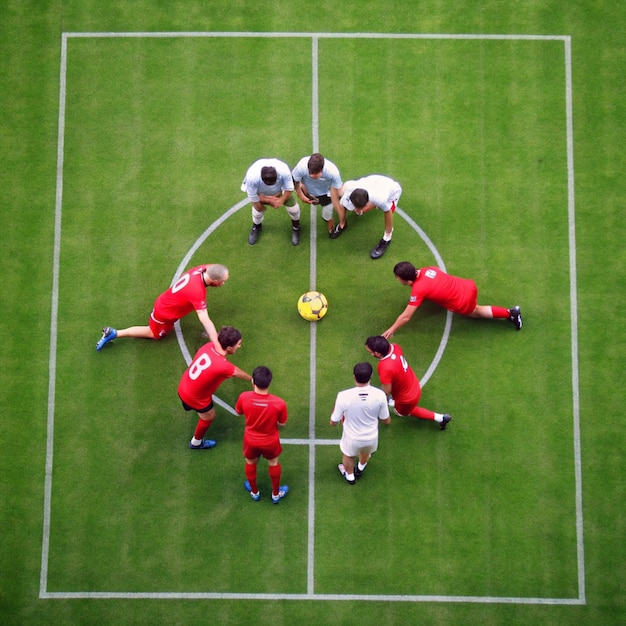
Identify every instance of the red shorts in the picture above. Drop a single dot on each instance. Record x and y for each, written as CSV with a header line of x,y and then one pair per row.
x,y
470,300
160,329
254,450
405,408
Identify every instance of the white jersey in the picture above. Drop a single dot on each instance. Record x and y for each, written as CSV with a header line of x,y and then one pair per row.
x,y
317,186
253,185
362,408
383,191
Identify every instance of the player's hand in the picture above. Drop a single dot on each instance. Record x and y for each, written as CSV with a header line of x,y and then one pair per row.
x,y
387,334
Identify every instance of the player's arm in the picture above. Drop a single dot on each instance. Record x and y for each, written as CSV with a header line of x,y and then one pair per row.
x,y
280,200
301,193
335,196
239,373
338,415
283,416
368,207
209,326
401,320
386,387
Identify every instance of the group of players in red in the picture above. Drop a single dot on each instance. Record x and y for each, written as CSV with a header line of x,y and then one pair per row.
x,y
266,413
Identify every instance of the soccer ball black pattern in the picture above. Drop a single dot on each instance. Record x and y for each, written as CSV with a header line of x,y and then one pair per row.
x,y
312,306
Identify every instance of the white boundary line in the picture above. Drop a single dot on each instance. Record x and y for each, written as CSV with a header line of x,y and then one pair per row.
x,y
310,595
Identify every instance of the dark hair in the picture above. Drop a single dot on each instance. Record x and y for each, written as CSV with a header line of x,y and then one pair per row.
x,y
269,175
359,197
316,163
262,376
378,344
405,270
228,337
362,372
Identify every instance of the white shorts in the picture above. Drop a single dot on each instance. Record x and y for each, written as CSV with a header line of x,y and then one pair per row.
x,y
353,447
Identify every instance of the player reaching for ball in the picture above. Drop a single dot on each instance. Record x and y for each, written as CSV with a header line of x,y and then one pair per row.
x,y
209,368
458,295
265,414
399,381
187,294
360,409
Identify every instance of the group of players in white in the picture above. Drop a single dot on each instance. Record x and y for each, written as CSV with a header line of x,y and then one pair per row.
x,y
316,180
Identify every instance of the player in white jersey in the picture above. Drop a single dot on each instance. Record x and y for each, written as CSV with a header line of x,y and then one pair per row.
x,y
268,182
374,192
318,181
360,409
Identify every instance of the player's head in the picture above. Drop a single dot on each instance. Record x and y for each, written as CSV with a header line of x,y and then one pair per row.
x,y
269,175
262,377
405,271
315,164
217,275
377,346
362,372
229,337
359,197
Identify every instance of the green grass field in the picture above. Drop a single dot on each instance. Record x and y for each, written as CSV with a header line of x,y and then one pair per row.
x,y
123,157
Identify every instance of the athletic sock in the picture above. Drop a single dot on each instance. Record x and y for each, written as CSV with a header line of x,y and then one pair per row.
x,y
275,472
251,474
201,428
500,312
423,414
257,216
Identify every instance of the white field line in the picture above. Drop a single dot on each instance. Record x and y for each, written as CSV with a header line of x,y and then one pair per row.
x,y
573,290
58,210
312,442
308,35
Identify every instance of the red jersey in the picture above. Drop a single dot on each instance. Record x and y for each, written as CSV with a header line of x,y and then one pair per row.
x,y
263,413
394,370
451,292
187,294
208,370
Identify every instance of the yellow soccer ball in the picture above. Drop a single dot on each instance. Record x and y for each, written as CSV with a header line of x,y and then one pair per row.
x,y
312,306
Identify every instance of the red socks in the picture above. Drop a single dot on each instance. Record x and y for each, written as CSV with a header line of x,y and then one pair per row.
x,y
423,414
201,427
275,474
251,476
499,312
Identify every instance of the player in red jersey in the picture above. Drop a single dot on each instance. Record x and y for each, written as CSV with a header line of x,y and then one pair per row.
x,y
458,295
187,294
265,413
208,370
399,381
